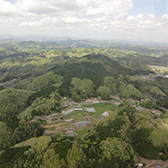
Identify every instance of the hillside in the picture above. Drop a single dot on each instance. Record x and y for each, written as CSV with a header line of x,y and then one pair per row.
x,y
94,67
65,105
13,101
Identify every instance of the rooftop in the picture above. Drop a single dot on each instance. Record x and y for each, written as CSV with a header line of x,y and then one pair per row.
x,y
82,123
90,110
69,111
106,114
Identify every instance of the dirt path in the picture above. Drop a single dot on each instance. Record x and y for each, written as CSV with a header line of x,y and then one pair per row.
x,y
54,125
109,111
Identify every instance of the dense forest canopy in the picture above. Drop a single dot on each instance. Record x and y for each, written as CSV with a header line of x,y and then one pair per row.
x,y
126,82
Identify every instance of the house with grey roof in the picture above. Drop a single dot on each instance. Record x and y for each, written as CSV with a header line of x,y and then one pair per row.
x,y
76,109
69,111
117,103
105,114
82,123
90,110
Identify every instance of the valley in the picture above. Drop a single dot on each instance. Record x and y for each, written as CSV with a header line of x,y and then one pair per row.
x,y
102,103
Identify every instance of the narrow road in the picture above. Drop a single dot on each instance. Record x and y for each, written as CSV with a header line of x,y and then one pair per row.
x,y
76,134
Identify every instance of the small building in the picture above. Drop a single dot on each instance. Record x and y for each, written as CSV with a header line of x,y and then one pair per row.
x,y
68,130
69,111
99,98
82,123
69,120
156,112
105,114
56,119
34,120
95,101
118,98
117,103
78,109
66,104
90,110
138,165
95,98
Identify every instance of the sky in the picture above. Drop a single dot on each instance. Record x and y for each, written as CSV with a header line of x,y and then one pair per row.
x,y
99,19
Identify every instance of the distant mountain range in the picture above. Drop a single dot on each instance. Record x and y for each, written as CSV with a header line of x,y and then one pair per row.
x,y
34,37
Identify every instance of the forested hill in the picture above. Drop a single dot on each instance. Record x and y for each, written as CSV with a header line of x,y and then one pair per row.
x,y
49,43
48,88
94,67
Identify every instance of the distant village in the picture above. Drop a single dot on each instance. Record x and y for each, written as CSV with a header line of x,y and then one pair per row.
x,y
57,119
69,125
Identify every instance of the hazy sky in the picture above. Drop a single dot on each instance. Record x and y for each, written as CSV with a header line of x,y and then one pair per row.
x,y
113,19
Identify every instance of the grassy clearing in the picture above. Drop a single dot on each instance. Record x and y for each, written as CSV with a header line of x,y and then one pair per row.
x,y
81,132
145,113
78,119
77,114
164,115
100,108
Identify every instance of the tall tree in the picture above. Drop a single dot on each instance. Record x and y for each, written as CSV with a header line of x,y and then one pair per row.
x,y
51,160
76,157
115,149
104,92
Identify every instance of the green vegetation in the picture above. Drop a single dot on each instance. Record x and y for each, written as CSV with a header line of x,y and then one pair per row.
x,y
13,100
42,93
23,131
38,83
35,78
42,105
81,132
81,88
143,145
101,108
77,114
10,155
146,113
12,122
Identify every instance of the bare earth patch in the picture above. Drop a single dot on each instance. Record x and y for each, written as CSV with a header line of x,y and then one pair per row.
x,y
54,125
